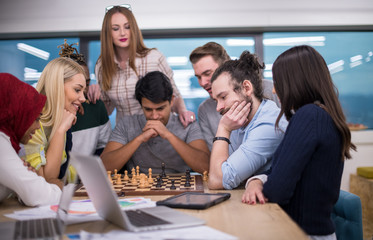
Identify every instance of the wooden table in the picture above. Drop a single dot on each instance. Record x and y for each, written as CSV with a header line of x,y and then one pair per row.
x,y
260,222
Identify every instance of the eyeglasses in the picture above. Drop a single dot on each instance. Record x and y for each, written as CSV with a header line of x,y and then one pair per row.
x,y
108,8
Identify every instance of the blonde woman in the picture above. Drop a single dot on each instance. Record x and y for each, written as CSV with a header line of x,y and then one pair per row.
x,y
62,82
123,61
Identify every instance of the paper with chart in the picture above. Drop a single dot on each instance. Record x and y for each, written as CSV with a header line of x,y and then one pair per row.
x,y
79,211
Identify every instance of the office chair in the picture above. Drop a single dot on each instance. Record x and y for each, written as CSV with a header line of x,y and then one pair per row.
x,y
347,217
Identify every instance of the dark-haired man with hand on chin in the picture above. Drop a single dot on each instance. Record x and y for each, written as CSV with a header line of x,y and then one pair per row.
x,y
157,136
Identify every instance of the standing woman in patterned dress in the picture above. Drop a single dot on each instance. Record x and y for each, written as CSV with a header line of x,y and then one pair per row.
x,y
123,61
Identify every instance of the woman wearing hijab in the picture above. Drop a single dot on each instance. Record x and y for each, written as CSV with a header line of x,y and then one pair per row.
x,y
20,109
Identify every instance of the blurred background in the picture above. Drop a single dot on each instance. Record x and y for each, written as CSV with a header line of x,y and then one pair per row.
x,y
342,31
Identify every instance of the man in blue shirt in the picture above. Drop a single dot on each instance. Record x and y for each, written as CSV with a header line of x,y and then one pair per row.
x,y
205,60
246,137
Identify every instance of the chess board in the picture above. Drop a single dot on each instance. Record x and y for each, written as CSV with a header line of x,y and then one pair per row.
x,y
126,188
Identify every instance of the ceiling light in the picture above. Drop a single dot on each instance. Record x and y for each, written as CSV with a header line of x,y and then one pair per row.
x,y
356,58
240,42
33,51
177,61
312,41
336,66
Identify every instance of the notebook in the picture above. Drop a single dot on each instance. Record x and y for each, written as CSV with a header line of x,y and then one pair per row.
x,y
46,228
93,175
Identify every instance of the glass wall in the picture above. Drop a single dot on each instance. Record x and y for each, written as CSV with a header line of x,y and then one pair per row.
x,y
177,51
348,55
27,58
349,58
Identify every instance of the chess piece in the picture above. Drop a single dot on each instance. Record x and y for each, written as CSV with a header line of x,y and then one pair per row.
x,y
134,180
126,178
115,173
119,179
109,177
205,177
150,179
159,182
146,181
163,170
187,174
173,187
137,172
160,177
187,183
142,181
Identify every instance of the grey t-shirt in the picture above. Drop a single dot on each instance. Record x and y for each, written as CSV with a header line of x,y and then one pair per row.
x,y
157,150
208,119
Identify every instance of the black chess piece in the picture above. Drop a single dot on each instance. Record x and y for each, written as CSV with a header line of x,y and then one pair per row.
x,y
187,175
187,183
163,170
159,182
161,178
173,187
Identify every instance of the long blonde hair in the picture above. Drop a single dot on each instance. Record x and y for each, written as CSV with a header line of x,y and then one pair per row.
x,y
137,46
51,84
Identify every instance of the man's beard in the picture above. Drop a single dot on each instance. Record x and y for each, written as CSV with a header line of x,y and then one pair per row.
x,y
245,98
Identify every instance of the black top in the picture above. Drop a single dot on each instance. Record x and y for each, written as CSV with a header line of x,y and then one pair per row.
x,y
307,168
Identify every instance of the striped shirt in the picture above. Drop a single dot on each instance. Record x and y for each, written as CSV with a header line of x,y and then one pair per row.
x,y
122,92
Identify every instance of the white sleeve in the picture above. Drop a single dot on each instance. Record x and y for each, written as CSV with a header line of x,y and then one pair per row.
x,y
32,189
261,177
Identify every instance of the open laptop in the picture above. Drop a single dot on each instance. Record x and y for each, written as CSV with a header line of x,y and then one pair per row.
x,y
45,228
93,175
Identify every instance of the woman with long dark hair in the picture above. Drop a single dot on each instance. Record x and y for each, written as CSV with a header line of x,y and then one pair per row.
x,y
307,166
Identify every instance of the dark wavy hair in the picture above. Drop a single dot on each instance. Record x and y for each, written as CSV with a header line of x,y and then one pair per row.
x,y
154,86
301,76
70,52
247,67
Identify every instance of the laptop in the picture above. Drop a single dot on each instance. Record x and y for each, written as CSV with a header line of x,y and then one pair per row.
x,y
45,228
93,175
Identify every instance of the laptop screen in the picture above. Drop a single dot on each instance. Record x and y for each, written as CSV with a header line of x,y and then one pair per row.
x,y
66,198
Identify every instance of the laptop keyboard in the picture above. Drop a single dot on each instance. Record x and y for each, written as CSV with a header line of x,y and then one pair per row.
x,y
37,228
142,219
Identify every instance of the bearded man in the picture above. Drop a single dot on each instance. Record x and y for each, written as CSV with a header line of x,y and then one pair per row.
x,y
246,137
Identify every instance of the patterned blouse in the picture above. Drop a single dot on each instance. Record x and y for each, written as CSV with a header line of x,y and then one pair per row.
x,y
122,93
34,152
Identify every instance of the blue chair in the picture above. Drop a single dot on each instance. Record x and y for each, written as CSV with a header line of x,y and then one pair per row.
x,y
347,217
